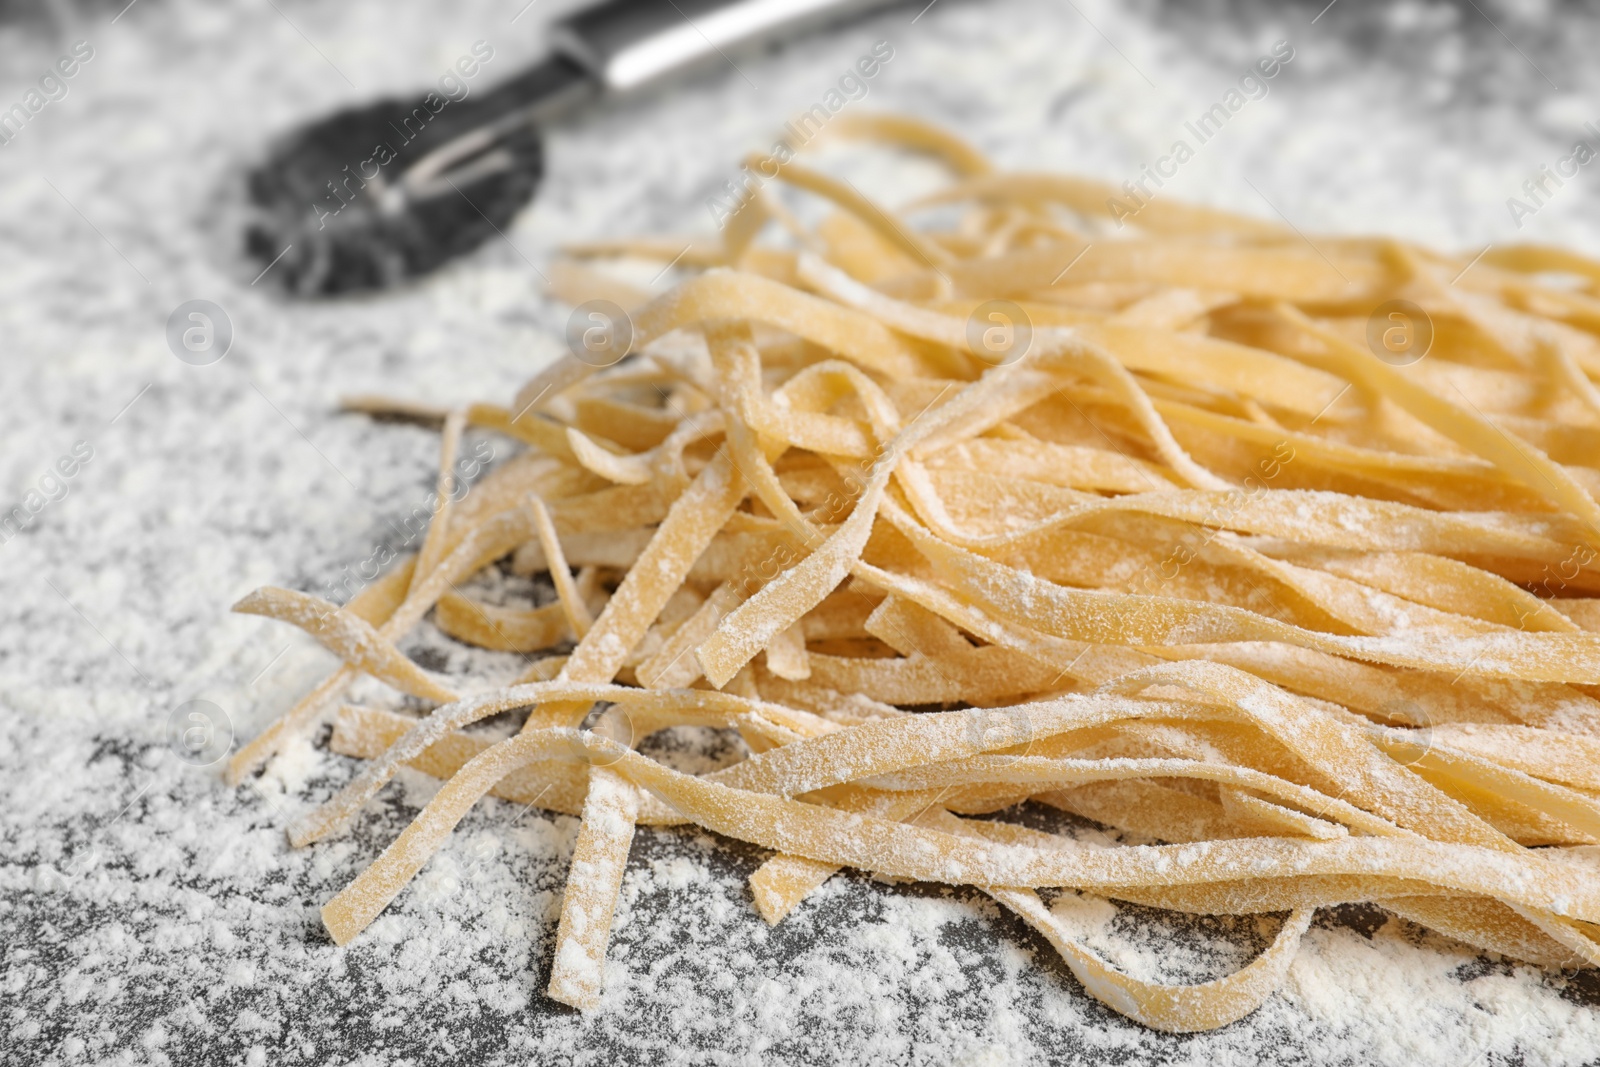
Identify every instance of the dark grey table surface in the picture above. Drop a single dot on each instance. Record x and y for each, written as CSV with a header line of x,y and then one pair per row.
x,y
149,914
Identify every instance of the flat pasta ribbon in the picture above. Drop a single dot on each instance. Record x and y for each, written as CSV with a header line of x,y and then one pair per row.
x,y
1292,620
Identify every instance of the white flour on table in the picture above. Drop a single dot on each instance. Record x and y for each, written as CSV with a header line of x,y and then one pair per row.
x,y
148,914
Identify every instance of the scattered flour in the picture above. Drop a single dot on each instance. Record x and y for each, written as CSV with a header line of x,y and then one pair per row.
x,y
148,914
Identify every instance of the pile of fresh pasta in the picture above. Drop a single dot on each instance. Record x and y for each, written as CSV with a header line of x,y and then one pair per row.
x,y
1186,557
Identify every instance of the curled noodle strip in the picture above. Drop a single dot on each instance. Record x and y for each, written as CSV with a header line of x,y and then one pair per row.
x,y
1296,625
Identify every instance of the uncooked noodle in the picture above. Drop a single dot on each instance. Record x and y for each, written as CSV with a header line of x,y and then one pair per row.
x,y
1304,622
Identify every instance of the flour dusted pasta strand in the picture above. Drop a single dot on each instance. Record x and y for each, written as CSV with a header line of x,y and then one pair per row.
x,y
1167,1007
646,707
347,636
1296,624
1518,458
1144,620
950,331
395,601
607,831
572,605
1522,879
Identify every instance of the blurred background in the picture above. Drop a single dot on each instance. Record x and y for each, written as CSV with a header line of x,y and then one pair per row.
x,y
123,195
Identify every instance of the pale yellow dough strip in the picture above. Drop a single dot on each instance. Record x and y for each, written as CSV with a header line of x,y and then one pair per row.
x,y
1196,565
